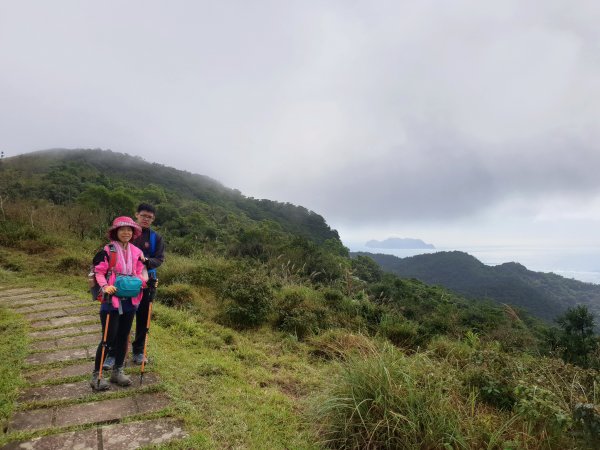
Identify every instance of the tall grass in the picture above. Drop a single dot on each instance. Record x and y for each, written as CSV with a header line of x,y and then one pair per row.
x,y
389,401
455,396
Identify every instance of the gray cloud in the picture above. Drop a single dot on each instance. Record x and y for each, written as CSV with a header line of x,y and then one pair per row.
x,y
451,179
406,112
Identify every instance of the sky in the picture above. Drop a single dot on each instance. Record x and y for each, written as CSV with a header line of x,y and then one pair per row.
x,y
461,123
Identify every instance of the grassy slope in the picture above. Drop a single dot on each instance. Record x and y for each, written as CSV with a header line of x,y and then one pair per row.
x,y
235,389
232,389
13,347
257,389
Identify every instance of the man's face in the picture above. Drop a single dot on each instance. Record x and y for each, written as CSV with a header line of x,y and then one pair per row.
x,y
144,218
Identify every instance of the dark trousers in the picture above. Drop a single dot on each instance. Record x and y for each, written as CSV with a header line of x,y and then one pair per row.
x,y
141,321
117,336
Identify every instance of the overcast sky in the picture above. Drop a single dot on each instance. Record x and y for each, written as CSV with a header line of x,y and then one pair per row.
x,y
456,122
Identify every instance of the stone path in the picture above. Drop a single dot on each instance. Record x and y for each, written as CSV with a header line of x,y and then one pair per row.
x,y
57,409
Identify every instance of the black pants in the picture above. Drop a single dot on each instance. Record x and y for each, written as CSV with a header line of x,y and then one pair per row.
x,y
119,327
141,321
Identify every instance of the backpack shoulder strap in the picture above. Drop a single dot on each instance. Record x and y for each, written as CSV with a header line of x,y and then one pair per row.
x,y
112,261
152,243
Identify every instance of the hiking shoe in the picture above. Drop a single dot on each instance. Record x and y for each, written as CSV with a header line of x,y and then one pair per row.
x,y
109,363
103,385
118,377
139,358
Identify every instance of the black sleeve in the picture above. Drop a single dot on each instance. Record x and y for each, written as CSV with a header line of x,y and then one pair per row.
x,y
100,256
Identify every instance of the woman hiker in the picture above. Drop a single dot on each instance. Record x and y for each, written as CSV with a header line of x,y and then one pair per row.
x,y
118,268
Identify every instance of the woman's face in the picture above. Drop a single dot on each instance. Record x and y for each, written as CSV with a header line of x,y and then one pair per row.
x,y
124,234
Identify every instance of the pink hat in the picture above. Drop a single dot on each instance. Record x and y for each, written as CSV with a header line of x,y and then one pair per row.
x,y
124,221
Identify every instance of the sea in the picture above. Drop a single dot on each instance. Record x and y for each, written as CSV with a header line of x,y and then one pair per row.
x,y
578,263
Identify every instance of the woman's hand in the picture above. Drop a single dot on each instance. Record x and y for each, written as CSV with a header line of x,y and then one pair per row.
x,y
110,290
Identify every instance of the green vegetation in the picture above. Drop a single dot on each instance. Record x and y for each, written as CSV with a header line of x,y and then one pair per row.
x,y
267,335
544,295
576,338
13,348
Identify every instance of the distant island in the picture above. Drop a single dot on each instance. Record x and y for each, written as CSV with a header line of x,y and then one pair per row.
x,y
395,243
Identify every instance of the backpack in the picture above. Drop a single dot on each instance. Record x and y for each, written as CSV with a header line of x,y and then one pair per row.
x,y
95,288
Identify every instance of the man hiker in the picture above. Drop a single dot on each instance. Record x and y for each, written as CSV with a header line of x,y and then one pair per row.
x,y
152,245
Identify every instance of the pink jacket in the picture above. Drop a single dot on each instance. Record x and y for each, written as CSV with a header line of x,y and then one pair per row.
x,y
102,269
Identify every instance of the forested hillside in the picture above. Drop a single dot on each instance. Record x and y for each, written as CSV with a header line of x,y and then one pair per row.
x,y
114,181
268,335
545,295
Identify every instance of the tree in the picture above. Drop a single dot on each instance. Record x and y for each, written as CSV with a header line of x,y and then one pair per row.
x,y
577,337
111,202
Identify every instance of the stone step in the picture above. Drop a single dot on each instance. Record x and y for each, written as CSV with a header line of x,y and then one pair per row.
x,y
70,354
112,437
74,341
80,440
27,295
81,389
64,332
77,369
52,305
14,291
87,413
62,321
73,370
35,301
140,434
71,311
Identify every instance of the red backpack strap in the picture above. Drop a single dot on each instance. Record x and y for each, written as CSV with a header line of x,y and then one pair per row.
x,y
112,261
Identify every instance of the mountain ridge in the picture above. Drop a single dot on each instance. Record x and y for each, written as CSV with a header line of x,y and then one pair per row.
x,y
545,295
68,167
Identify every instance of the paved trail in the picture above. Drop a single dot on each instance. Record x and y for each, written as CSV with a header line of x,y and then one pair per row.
x,y
57,400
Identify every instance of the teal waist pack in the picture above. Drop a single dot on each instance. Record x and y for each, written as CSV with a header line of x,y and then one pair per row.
x,y
127,286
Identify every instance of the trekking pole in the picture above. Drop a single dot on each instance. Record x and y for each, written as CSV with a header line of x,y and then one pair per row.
x,y
151,296
104,345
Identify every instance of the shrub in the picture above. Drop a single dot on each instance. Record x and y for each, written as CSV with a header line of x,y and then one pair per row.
x,y
176,269
388,401
8,264
209,276
587,416
206,272
491,388
13,234
72,265
177,295
493,375
300,315
333,298
371,312
541,411
247,299
400,331
183,246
